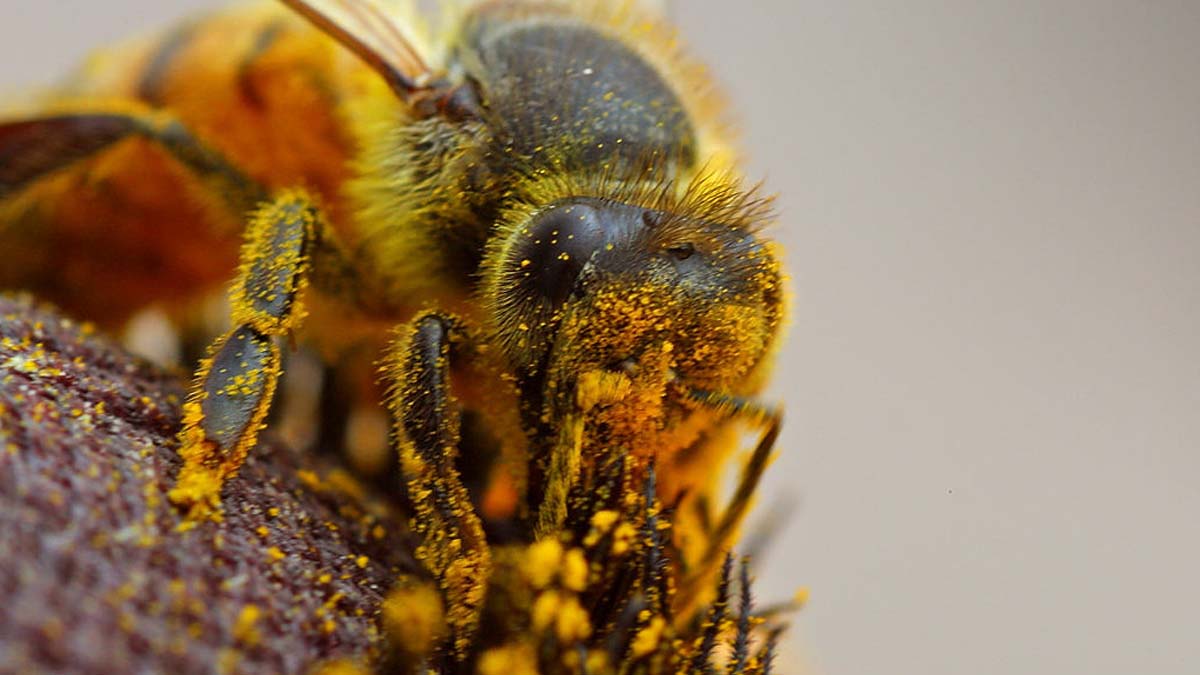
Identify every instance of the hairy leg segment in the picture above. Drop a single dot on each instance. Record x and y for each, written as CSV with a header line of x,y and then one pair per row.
x,y
427,430
232,391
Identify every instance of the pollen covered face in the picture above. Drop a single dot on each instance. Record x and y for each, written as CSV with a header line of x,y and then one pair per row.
x,y
641,311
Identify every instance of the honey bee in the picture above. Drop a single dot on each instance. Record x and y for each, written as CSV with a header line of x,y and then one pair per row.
x,y
538,194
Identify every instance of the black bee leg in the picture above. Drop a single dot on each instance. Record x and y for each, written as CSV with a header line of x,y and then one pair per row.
x,y
427,424
739,504
232,389
731,518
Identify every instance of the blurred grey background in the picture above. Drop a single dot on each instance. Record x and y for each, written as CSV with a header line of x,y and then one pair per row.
x,y
992,216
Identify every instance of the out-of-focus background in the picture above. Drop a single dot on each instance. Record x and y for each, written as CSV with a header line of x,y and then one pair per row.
x,y
992,215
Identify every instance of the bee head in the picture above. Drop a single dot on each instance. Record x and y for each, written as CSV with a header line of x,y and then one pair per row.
x,y
661,297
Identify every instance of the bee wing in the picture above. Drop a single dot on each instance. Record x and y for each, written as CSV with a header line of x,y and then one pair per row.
x,y
375,35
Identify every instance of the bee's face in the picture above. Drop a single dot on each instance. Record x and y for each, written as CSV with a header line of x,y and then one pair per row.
x,y
663,303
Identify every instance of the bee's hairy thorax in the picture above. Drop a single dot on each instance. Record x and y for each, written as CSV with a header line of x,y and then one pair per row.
x,y
554,98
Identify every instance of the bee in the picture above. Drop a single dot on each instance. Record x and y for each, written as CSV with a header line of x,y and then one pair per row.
x,y
532,213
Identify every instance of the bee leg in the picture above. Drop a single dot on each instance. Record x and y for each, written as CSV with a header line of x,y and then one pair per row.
x,y
232,389
562,471
739,503
427,425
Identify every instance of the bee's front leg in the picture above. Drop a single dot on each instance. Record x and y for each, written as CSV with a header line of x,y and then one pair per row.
x,y
427,430
233,387
731,517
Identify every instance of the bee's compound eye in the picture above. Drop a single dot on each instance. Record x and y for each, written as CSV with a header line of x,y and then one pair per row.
x,y
558,243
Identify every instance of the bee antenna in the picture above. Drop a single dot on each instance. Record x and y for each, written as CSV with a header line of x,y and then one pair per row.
x,y
374,36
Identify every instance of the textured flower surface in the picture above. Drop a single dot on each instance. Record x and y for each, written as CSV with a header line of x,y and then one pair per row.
x,y
306,570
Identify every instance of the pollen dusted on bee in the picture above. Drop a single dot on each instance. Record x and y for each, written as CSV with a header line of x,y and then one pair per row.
x,y
533,215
